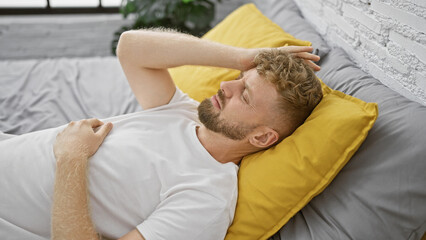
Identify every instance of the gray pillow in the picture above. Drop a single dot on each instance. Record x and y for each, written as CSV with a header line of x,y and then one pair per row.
x,y
381,192
286,14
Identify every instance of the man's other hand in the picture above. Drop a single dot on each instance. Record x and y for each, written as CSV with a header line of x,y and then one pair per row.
x,y
80,139
73,147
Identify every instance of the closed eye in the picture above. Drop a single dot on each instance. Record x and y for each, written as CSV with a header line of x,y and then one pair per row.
x,y
244,97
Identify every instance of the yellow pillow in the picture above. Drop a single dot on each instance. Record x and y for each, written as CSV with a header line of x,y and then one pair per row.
x,y
276,183
245,27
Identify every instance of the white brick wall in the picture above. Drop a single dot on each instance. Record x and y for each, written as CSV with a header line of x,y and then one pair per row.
x,y
387,38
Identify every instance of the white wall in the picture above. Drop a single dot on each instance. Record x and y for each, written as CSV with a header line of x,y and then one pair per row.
x,y
50,36
387,38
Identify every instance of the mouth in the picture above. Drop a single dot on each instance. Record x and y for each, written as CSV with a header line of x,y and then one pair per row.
x,y
215,102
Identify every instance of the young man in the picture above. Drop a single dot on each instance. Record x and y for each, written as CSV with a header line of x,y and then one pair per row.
x,y
170,171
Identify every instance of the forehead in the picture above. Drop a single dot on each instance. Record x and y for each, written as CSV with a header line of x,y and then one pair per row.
x,y
262,92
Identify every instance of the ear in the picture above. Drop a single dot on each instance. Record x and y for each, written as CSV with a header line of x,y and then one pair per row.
x,y
264,137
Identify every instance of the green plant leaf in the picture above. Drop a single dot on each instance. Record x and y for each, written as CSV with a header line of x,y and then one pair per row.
x,y
130,7
190,16
201,15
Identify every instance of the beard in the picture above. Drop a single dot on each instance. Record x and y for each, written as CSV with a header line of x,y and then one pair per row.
x,y
212,120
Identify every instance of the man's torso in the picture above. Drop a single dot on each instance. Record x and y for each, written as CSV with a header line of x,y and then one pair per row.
x,y
148,159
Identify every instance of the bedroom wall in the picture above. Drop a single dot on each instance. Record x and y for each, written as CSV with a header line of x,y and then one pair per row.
x,y
80,35
387,38
52,36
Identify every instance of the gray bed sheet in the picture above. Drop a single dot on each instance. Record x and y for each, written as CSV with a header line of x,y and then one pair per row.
x,y
40,94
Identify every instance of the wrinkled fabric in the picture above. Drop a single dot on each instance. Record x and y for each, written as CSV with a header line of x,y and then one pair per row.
x,y
40,94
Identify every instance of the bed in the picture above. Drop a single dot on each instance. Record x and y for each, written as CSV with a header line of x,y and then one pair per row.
x,y
379,194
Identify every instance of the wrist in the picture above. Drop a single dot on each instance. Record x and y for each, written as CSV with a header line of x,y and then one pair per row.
x,y
246,60
67,162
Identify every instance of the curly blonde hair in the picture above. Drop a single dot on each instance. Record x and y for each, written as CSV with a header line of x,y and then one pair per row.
x,y
298,87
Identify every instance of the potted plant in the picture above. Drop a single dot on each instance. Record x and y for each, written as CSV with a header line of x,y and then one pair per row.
x,y
189,16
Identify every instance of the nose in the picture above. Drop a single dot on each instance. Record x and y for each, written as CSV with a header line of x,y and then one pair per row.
x,y
230,88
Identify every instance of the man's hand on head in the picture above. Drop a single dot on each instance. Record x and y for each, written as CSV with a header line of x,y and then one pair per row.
x,y
80,139
303,52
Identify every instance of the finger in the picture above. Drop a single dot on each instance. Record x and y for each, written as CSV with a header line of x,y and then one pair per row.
x,y
297,49
313,65
94,122
307,56
104,130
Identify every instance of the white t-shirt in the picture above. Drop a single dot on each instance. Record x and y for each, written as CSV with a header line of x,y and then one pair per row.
x,y
151,172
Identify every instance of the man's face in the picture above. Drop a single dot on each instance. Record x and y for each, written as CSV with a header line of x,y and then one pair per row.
x,y
239,106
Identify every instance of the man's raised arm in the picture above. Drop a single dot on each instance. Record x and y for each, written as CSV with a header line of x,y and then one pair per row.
x,y
145,56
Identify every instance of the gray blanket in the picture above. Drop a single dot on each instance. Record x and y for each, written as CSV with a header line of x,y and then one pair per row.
x,y
39,94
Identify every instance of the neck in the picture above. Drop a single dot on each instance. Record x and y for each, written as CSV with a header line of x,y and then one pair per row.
x,y
221,148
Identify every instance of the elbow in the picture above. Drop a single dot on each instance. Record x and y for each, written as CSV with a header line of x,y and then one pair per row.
x,y
123,43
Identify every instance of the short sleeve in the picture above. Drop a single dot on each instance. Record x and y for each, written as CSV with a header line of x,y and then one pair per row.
x,y
179,96
188,215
